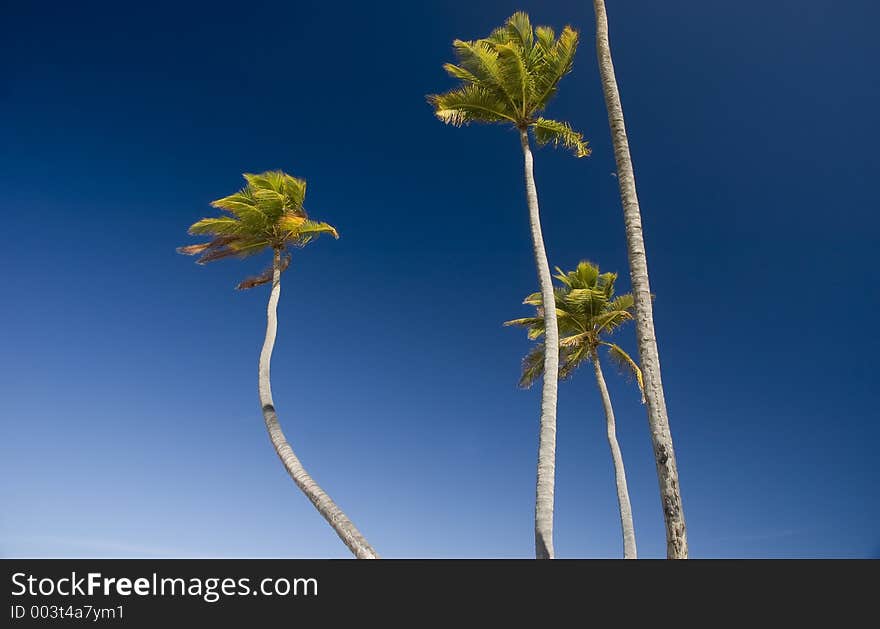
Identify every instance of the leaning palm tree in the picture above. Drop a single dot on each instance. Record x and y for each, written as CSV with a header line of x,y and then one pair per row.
x,y
268,213
587,313
658,420
509,77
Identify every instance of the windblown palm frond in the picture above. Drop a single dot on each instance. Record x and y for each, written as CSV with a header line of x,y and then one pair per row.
x,y
267,213
587,312
510,77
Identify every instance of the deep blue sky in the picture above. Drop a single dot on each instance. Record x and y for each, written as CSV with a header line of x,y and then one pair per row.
x,y
128,392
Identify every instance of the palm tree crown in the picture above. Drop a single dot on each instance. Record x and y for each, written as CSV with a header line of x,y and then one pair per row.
x,y
587,312
509,77
267,213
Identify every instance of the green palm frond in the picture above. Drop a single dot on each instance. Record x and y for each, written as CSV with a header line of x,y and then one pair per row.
x,y
622,302
585,275
606,282
556,61
307,231
546,39
478,65
611,320
240,204
560,134
480,59
520,27
465,75
535,299
527,322
220,226
517,31
515,76
584,302
244,247
626,365
470,103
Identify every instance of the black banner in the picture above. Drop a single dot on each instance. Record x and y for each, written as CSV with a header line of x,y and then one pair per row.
x,y
152,593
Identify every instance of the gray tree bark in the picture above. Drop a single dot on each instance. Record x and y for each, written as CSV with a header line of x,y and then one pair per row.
x,y
626,518
323,503
547,435
658,421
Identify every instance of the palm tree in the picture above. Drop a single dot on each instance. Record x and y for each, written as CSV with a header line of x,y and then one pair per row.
x,y
268,213
658,420
587,312
509,77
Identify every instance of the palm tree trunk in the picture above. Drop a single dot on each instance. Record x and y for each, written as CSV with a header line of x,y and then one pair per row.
x,y
626,518
658,421
547,435
323,503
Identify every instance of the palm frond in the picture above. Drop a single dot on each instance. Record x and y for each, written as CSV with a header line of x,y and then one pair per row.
x,y
218,226
463,74
556,62
272,193
560,134
626,365
622,302
586,302
263,278
520,28
221,249
525,322
206,247
515,76
572,357
585,275
470,103
574,340
480,59
546,38
270,203
532,366
294,191
479,65
244,247
535,299
610,320
240,204
307,231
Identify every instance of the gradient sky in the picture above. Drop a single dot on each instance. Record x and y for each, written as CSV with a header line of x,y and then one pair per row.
x,y
128,375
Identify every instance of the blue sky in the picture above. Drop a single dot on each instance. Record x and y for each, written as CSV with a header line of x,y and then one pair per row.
x,y
129,419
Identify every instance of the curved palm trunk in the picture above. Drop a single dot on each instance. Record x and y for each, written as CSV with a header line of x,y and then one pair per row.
x,y
661,437
323,503
626,518
547,435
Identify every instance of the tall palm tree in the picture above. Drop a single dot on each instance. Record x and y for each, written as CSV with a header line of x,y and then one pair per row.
x,y
658,420
268,213
509,77
587,312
